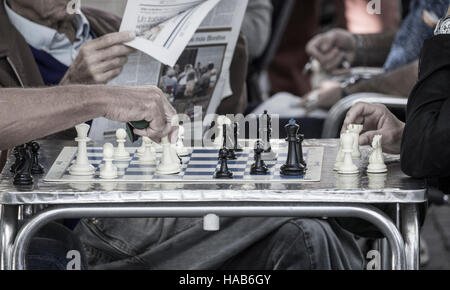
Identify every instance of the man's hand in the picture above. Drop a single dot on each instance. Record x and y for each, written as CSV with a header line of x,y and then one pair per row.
x,y
100,60
127,104
377,120
332,48
325,97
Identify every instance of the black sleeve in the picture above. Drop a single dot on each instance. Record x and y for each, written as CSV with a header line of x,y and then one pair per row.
x,y
425,151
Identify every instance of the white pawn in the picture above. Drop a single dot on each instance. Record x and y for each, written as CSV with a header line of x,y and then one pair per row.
x,y
339,157
376,159
355,130
141,149
82,167
170,162
348,167
121,154
148,156
108,170
181,150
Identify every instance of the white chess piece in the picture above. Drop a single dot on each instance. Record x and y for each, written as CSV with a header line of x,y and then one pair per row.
x,y
348,167
82,167
148,156
121,154
108,170
170,162
339,157
376,159
355,130
141,150
181,150
221,120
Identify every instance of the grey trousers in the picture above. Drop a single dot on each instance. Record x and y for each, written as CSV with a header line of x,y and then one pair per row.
x,y
241,244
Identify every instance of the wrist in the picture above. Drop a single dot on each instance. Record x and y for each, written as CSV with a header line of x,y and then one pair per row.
x,y
95,99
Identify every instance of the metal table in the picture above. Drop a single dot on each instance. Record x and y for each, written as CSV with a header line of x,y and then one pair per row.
x,y
23,210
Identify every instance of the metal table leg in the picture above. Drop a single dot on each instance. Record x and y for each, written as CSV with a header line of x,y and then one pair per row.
x,y
8,231
365,212
410,230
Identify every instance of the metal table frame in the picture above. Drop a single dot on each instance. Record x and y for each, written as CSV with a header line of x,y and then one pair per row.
x,y
19,220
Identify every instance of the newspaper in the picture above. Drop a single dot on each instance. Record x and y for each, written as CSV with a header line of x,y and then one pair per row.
x,y
194,74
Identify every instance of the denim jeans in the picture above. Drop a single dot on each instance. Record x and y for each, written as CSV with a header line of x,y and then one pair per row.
x,y
241,243
48,249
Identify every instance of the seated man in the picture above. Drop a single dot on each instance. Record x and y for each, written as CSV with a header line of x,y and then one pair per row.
x,y
398,52
424,147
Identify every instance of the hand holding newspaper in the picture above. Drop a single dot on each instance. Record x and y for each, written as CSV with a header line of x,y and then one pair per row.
x,y
185,47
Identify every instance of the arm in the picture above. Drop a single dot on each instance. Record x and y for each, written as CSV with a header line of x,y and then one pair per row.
x,y
426,140
28,114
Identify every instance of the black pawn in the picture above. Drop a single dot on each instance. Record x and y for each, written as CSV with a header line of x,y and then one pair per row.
x,y
259,167
19,159
292,167
300,140
23,174
223,172
36,168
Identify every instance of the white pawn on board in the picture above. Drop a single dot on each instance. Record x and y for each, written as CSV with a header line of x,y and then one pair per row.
x,y
181,150
339,157
170,162
108,170
82,167
121,154
347,166
141,150
149,154
355,130
376,159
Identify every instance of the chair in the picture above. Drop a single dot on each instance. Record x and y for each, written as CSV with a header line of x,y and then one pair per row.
x,y
282,10
336,115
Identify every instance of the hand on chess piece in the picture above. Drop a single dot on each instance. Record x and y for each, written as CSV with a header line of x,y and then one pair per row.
x,y
144,103
377,120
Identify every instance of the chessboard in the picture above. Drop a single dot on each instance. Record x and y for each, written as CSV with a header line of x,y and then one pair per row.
x,y
198,166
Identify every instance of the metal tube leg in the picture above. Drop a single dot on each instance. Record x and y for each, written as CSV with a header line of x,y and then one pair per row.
x,y
8,231
410,231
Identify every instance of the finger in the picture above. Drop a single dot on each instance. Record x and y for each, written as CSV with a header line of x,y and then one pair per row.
x,y
104,78
335,59
367,137
113,52
355,115
112,39
111,64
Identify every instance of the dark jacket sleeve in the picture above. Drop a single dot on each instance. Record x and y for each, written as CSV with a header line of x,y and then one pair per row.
x,y
425,149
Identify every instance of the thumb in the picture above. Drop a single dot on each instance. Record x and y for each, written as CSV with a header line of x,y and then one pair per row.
x,y
367,137
327,43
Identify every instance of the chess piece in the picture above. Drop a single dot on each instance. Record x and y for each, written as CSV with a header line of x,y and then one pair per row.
x,y
355,130
231,153
259,167
23,173
339,157
82,167
141,149
148,156
121,154
300,139
223,172
236,138
292,167
18,159
181,150
36,168
219,136
347,167
266,134
170,162
108,170
376,159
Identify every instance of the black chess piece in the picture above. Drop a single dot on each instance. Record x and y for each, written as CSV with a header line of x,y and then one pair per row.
x,y
19,159
300,139
23,173
259,167
36,168
236,139
292,167
223,172
269,132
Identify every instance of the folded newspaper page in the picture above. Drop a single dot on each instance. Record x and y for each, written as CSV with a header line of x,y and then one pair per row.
x,y
198,80
164,28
